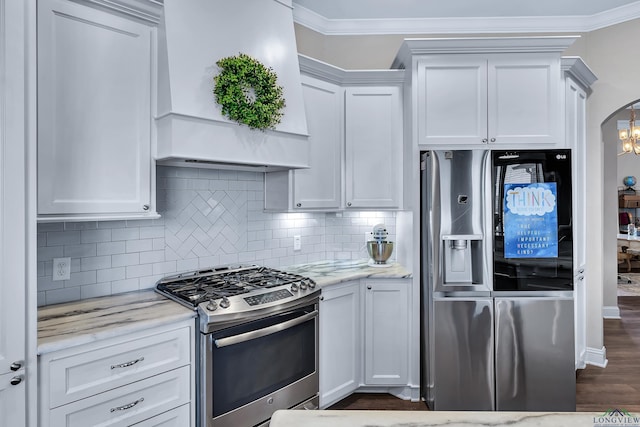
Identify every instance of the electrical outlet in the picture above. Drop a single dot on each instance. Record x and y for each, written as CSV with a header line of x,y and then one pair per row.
x,y
297,243
61,268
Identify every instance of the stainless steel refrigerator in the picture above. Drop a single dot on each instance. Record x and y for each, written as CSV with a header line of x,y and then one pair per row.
x,y
497,270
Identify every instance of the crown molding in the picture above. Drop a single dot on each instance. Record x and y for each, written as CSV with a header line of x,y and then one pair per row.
x,y
339,76
476,25
576,67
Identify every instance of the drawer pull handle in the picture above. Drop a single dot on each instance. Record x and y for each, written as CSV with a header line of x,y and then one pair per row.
x,y
127,406
127,364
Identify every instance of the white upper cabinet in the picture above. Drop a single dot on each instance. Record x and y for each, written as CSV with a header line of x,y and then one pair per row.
x,y
373,143
95,73
489,99
355,122
452,100
319,185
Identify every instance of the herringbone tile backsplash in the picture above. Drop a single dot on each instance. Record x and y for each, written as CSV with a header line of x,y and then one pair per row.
x,y
209,217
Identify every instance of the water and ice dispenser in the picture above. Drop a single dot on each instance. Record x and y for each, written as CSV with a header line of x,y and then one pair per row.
x,y
461,218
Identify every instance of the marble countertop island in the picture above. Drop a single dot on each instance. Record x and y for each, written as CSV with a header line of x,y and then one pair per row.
x,y
330,272
64,325
349,418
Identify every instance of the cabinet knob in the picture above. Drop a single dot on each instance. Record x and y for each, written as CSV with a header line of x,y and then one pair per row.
x,y
322,298
16,365
369,287
484,140
348,203
16,380
298,205
493,140
145,207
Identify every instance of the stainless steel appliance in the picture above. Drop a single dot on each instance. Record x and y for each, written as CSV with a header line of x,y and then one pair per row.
x,y
497,307
257,343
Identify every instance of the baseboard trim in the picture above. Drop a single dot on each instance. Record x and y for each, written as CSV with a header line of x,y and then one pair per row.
x,y
611,312
409,392
596,357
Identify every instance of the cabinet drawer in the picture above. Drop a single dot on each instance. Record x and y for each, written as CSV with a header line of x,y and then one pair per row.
x,y
127,405
98,369
178,417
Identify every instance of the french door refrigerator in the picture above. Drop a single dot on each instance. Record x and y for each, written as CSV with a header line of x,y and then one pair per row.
x,y
497,291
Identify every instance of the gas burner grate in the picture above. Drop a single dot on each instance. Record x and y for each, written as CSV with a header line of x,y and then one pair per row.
x,y
195,287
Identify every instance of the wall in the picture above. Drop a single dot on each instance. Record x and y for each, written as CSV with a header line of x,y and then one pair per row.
x,y
209,217
610,209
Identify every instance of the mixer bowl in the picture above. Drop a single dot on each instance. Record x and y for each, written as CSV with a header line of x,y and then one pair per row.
x,y
379,251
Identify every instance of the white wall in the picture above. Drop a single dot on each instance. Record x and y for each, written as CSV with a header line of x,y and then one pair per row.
x,y
610,225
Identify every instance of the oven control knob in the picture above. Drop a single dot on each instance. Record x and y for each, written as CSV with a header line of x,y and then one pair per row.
x,y
212,305
224,302
294,287
312,284
303,285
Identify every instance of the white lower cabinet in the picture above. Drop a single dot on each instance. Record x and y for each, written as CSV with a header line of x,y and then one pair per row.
x,y
340,338
140,378
364,337
386,332
178,417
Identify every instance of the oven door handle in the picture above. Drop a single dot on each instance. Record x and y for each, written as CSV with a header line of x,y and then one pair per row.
x,y
247,336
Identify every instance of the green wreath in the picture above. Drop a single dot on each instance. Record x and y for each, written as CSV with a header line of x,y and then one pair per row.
x,y
248,93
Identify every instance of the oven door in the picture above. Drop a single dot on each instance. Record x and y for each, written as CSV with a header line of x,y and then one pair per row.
x,y
253,369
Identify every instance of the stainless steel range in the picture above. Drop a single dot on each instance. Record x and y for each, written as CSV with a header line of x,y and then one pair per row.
x,y
257,341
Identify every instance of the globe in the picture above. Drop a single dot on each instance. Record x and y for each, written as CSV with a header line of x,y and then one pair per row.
x,y
629,181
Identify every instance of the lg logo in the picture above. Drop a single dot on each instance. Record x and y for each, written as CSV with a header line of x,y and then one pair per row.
x,y
561,156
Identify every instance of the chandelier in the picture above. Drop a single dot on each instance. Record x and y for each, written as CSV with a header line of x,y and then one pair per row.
x,y
630,137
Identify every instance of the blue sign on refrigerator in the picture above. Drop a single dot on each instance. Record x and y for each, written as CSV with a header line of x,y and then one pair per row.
x,y
530,220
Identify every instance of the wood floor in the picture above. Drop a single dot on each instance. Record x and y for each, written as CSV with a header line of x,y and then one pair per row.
x,y
597,389
617,385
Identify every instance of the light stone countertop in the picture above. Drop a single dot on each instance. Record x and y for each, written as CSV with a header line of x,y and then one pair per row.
x,y
349,418
330,272
65,325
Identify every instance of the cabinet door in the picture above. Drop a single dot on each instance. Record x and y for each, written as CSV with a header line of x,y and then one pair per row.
x,y
576,111
386,333
94,81
319,186
580,318
12,400
452,100
15,236
339,342
373,143
524,99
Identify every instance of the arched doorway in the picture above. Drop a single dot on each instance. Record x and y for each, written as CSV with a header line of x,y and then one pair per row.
x,y
617,165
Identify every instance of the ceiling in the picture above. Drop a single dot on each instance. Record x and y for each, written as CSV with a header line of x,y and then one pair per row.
x,y
461,16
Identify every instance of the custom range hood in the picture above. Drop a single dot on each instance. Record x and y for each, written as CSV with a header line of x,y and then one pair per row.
x,y
190,128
